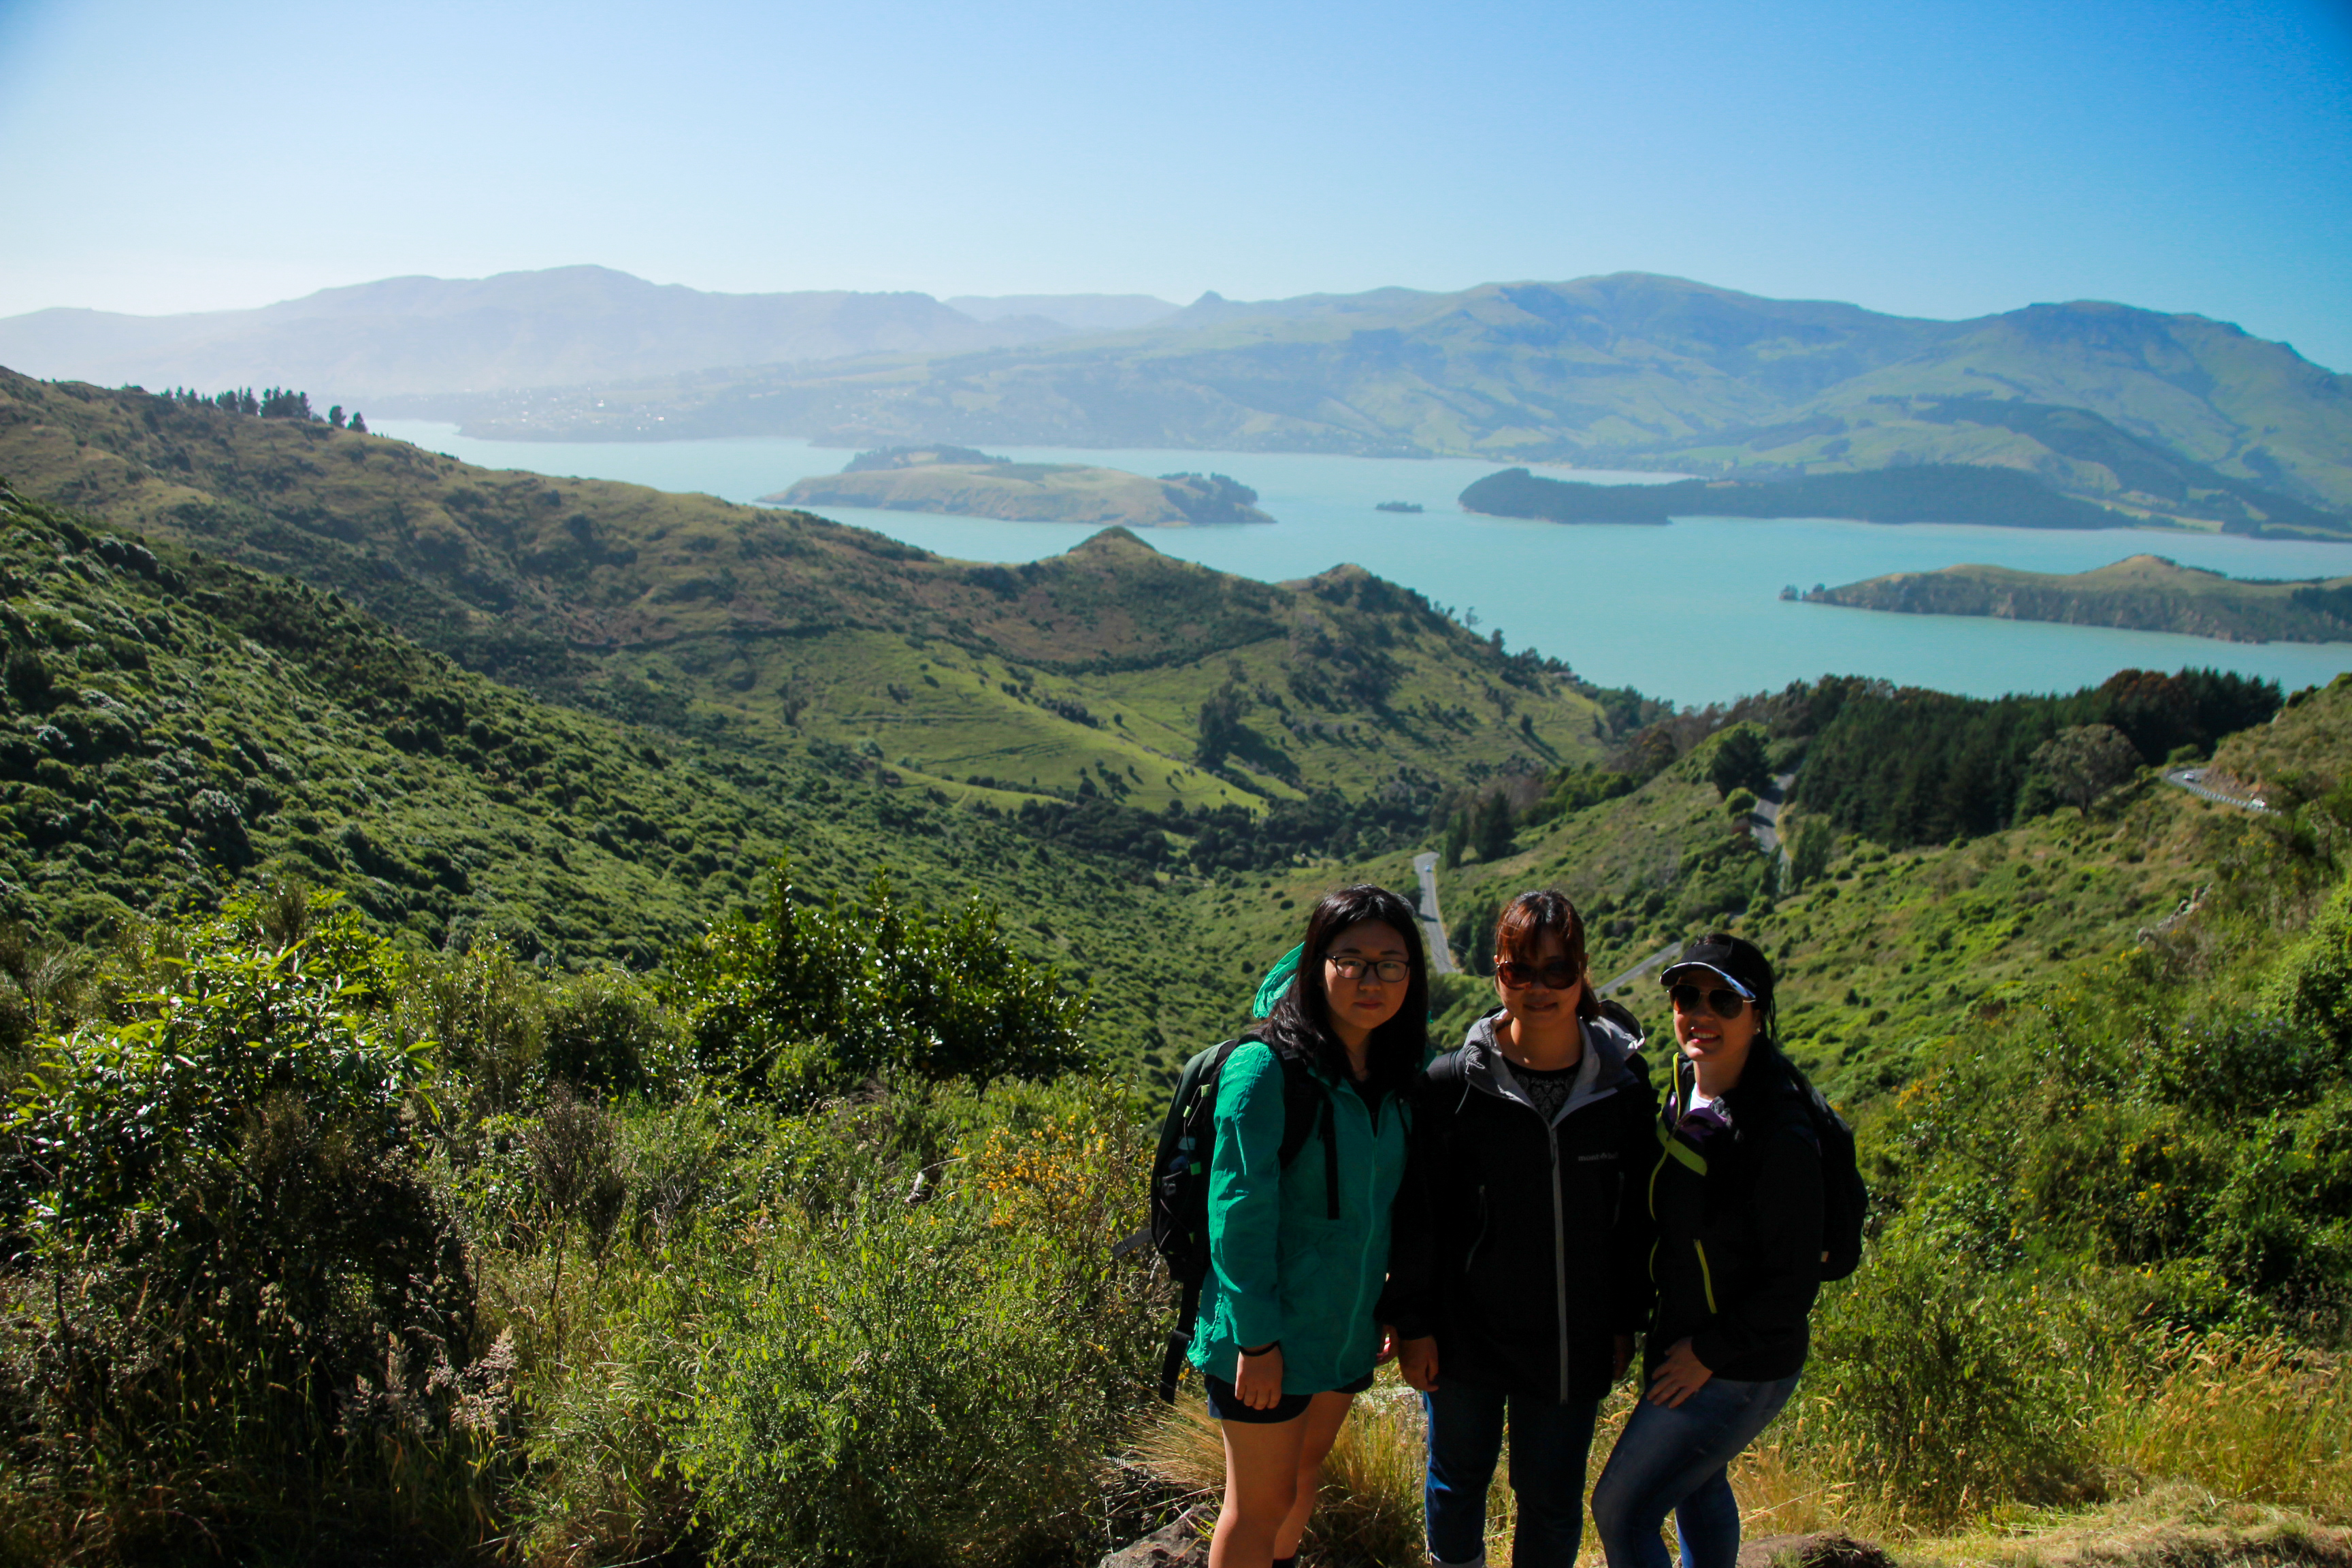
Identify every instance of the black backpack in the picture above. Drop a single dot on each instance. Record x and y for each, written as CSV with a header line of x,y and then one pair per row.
x,y
1179,1176
1845,1199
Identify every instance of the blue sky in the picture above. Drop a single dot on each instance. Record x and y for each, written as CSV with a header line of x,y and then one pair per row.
x,y
1945,160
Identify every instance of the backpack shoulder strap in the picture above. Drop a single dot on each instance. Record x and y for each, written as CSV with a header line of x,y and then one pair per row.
x,y
1303,1097
1306,1111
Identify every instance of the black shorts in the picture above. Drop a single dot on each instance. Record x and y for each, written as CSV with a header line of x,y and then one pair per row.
x,y
1225,1406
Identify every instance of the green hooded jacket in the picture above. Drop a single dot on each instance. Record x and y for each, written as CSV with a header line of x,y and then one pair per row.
x,y
1280,1268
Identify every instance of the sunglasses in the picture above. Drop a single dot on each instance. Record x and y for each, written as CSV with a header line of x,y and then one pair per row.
x,y
1723,1004
1558,975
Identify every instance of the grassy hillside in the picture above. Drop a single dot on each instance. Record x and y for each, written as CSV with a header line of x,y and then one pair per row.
x,y
1885,953
1622,369
177,729
2145,592
802,1248
776,631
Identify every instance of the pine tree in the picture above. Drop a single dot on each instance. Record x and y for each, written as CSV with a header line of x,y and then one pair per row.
x,y
1493,829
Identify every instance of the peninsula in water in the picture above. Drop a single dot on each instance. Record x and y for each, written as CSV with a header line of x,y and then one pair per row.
x,y
1922,492
967,483
2145,592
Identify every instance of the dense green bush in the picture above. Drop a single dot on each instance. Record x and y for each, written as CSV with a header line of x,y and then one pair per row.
x,y
233,1281
809,999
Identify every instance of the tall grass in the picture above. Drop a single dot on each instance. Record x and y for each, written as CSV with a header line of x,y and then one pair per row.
x,y
2251,1419
1369,1510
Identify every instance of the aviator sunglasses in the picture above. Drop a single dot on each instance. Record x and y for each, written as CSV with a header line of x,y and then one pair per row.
x,y
1557,975
1722,1002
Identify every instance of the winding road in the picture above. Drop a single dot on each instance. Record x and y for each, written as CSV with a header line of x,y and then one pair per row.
x,y
1764,822
2193,781
1432,924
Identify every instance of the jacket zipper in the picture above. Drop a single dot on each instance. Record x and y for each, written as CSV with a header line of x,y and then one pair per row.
x,y
1560,1259
1371,1185
1558,1246
1705,1276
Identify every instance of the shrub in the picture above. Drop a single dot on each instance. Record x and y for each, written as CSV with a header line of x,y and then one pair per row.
x,y
240,1298
927,1380
807,1000
1940,1390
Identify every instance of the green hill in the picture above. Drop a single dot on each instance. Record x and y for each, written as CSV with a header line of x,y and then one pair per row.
x,y
1629,370
174,728
492,1261
1086,673
2143,593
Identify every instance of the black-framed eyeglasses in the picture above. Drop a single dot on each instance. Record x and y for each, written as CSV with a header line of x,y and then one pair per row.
x,y
1721,1001
1351,966
1558,975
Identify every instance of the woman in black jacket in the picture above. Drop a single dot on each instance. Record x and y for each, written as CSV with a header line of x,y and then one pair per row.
x,y
1520,1284
1735,1194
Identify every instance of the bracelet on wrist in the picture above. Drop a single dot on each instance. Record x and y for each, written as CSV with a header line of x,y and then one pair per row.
x,y
1269,1345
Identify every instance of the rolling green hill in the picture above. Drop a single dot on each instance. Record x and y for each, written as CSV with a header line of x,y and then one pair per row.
x,y
2144,593
1626,370
1890,950
1086,673
174,727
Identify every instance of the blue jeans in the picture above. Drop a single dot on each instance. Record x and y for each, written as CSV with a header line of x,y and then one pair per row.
x,y
1549,1442
1672,1461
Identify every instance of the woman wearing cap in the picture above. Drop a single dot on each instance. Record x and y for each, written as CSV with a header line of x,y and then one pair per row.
x,y
1527,1260
1736,1194
1290,1322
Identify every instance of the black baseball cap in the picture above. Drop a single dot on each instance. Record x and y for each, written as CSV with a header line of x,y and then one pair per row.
x,y
1739,963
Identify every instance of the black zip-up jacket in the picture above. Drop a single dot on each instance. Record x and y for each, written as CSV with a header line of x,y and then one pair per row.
x,y
1527,1255
1737,1257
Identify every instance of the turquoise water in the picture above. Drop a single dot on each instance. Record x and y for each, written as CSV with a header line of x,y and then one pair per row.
x,y
1691,611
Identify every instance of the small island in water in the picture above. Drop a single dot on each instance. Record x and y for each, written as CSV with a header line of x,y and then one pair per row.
x,y
963,482
2144,593
1412,506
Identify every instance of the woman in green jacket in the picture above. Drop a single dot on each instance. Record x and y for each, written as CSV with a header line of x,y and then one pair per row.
x,y
1289,1322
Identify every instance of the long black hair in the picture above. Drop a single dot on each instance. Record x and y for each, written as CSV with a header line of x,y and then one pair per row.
x,y
1301,1024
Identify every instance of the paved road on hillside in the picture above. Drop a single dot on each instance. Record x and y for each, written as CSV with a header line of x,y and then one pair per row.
x,y
1642,968
1764,822
1432,924
2193,781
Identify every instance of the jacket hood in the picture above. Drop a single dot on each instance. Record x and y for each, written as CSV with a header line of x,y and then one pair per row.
x,y
1608,1056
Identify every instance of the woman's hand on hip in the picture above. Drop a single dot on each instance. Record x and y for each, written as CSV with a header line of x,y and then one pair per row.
x,y
1257,1379
1677,1377
1417,1362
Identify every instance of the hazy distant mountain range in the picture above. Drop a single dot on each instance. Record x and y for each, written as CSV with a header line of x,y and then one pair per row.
x,y
2163,416
559,327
